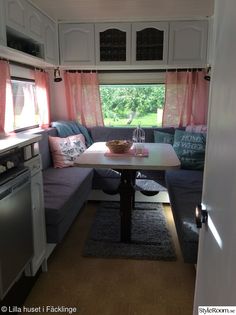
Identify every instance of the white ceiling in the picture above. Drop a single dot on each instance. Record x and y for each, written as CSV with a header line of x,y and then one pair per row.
x,y
124,10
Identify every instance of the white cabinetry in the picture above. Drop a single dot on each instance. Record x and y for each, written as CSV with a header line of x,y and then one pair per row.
x,y
2,24
149,43
38,215
22,17
16,11
77,44
113,43
50,41
188,43
30,31
35,24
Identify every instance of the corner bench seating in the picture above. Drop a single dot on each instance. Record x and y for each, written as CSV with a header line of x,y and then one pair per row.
x,y
67,189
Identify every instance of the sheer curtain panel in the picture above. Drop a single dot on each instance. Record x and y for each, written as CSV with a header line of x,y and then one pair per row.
x,y
186,99
83,98
6,99
42,96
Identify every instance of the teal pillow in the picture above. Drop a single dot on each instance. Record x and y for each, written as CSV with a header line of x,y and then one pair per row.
x,y
163,137
190,149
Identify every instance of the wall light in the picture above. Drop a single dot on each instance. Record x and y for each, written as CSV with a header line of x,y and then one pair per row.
x,y
57,75
208,74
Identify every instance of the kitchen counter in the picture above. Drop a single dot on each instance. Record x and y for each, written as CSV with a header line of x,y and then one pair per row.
x,y
18,140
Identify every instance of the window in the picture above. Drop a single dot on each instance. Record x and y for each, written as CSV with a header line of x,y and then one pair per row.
x,y
25,104
132,104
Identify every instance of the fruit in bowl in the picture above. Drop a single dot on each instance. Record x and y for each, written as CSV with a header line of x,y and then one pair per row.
x,y
119,146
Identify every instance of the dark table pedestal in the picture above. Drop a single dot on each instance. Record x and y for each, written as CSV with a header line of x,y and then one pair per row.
x,y
127,193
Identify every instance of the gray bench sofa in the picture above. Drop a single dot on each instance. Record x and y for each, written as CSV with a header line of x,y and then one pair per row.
x,y
67,189
185,192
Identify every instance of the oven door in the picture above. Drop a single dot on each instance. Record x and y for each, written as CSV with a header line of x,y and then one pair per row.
x,y
16,237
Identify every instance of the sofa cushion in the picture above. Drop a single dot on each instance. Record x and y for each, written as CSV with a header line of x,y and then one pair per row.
x,y
185,192
163,137
69,128
101,134
196,128
59,187
66,150
190,148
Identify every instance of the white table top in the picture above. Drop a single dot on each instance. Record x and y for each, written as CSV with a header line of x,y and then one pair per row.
x,y
161,157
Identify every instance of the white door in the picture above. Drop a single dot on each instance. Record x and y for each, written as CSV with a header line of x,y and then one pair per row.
x,y
216,268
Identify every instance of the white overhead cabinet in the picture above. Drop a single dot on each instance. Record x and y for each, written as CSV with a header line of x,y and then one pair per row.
x,y
77,44
188,42
24,27
16,13
112,43
29,31
137,45
2,24
51,54
149,43
35,24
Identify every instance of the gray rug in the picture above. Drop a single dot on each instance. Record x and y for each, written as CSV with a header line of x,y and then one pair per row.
x,y
150,236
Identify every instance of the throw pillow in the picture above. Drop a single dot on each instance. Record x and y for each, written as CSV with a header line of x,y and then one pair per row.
x,y
190,149
163,137
196,128
66,150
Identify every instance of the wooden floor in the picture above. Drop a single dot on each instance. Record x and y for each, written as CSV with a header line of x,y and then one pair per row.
x,y
113,286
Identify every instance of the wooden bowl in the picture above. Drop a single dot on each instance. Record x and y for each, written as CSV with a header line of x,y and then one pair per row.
x,y
119,146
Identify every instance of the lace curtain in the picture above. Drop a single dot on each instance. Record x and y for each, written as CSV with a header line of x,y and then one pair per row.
x,y
6,99
83,98
42,97
186,99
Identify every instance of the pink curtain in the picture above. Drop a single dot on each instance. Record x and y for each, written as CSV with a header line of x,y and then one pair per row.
x,y
42,96
186,99
6,99
83,98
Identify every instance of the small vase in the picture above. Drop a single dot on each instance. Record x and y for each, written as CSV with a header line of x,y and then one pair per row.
x,y
138,140
138,135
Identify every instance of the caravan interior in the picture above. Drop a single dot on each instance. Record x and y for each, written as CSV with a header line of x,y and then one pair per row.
x,y
116,159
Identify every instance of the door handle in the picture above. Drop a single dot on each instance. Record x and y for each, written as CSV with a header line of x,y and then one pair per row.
x,y
200,216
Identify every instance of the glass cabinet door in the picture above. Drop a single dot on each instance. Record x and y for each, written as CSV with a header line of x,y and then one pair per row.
x,y
149,43
112,43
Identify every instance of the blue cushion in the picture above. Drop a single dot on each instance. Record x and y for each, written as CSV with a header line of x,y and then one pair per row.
x,y
190,148
163,137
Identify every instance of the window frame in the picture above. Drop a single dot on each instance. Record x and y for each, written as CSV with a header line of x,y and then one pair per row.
x,y
124,77
22,72
21,79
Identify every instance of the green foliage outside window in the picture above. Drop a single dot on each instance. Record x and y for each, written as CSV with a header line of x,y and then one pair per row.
x,y
130,105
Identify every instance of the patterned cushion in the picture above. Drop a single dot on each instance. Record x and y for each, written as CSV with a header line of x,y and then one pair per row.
x,y
66,150
197,128
163,137
190,148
